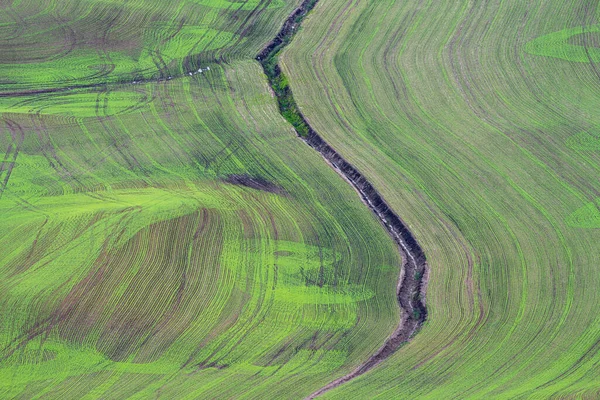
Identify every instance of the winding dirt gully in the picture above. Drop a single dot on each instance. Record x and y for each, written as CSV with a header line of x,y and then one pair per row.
x,y
413,276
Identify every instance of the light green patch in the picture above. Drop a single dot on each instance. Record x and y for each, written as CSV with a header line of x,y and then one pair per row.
x,y
78,104
583,141
557,45
587,216
323,295
68,361
293,257
172,203
290,258
81,66
329,316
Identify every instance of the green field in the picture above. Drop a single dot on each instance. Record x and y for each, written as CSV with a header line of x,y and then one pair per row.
x,y
478,122
166,234
135,263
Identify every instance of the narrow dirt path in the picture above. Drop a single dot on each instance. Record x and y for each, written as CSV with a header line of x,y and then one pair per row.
x,y
413,275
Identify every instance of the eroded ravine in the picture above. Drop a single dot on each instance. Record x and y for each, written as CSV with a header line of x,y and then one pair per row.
x,y
411,282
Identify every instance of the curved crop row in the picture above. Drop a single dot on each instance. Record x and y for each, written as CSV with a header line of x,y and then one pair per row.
x,y
171,237
468,118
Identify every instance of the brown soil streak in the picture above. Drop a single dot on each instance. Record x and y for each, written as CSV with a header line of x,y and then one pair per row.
x,y
412,281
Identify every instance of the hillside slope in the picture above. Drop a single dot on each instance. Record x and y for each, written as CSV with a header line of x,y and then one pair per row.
x,y
164,231
478,122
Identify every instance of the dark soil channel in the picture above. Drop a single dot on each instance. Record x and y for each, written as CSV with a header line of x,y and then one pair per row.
x,y
254,182
411,284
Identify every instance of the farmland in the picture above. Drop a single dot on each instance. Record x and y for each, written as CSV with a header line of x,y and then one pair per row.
x,y
164,231
478,123
206,199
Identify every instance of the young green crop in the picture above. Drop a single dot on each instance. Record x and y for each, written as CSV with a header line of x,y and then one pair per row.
x,y
468,118
131,265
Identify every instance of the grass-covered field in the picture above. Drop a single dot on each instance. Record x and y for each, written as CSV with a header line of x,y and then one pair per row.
x,y
171,238
479,123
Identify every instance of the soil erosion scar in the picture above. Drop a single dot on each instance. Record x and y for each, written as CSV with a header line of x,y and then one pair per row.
x,y
411,283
